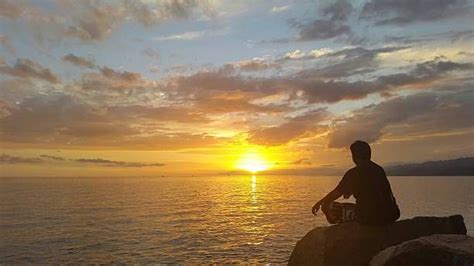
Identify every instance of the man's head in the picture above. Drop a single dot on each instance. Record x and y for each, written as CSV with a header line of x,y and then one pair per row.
x,y
360,151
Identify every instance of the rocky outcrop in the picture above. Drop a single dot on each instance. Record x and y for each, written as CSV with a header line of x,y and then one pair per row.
x,y
449,250
354,244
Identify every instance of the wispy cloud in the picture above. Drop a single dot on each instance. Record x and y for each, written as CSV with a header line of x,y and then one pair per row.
x,y
10,159
79,61
279,9
47,159
27,68
193,35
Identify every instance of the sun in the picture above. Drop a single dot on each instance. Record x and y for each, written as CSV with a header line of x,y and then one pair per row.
x,y
253,162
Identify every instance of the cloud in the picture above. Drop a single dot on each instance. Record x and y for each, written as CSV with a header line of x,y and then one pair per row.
x,y
296,54
353,61
421,75
339,10
54,158
193,35
111,108
321,30
225,91
9,159
152,53
419,113
280,9
91,20
11,8
5,42
450,36
295,128
333,25
256,64
125,76
56,121
161,113
97,21
78,61
110,163
222,92
43,159
27,68
302,161
406,11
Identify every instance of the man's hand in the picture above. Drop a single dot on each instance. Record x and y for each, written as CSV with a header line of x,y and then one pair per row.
x,y
315,208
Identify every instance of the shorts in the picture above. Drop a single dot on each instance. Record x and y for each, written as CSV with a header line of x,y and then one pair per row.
x,y
337,212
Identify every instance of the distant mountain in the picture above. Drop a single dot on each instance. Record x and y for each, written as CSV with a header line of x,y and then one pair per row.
x,y
455,167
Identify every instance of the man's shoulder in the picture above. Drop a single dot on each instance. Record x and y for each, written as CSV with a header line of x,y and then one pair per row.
x,y
378,167
352,171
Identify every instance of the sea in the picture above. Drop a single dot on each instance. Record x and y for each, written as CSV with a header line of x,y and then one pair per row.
x,y
198,219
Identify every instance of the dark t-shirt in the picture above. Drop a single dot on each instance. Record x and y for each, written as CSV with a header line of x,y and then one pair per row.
x,y
368,184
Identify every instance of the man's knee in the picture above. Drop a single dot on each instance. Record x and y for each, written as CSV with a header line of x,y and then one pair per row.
x,y
326,208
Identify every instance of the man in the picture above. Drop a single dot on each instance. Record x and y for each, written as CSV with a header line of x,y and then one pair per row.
x,y
367,182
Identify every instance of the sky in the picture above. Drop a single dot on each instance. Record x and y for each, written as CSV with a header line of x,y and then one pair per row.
x,y
170,87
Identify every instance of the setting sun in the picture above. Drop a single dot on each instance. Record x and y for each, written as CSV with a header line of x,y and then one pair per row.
x,y
253,162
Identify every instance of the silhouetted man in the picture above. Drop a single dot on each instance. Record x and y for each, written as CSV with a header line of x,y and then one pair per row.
x,y
367,182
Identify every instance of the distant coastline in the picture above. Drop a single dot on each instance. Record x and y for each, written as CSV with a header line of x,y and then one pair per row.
x,y
455,167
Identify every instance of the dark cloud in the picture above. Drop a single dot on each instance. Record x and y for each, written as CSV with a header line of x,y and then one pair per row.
x,y
419,76
321,30
110,163
122,76
340,10
9,159
26,68
354,61
79,61
333,25
222,92
293,129
406,11
450,36
54,158
420,113
216,91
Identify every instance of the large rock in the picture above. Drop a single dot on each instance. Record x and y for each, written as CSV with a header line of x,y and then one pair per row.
x,y
449,250
354,244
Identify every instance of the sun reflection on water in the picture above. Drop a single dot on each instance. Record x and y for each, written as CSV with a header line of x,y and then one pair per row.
x,y
254,184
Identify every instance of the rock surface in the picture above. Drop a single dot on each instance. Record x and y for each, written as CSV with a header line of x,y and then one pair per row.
x,y
449,250
354,244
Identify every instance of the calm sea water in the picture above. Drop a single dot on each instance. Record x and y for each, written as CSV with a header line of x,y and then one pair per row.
x,y
187,219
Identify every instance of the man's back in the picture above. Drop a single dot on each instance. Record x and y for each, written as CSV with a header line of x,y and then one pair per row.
x,y
375,203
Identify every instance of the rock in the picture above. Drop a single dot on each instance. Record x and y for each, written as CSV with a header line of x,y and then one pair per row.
x,y
449,250
355,244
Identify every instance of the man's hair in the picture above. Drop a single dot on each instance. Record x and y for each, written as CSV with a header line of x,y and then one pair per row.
x,y
361,149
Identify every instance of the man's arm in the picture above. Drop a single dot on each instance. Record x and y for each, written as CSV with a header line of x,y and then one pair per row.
x,y
331,196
